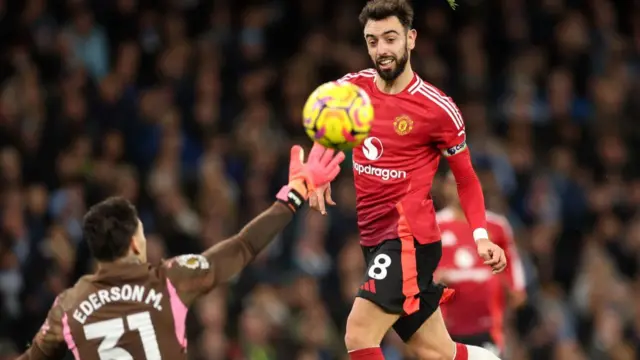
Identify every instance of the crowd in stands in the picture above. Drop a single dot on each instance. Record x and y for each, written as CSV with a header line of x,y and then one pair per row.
x,y
188,109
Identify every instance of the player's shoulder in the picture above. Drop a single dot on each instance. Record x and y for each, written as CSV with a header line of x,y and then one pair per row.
x,y
189,275
445,215
425,89
498,220
50,336
185,267
70,297
50,330
66,295
435,101
360,77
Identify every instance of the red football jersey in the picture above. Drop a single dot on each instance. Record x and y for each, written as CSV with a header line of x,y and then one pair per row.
x,y
480,298
395,166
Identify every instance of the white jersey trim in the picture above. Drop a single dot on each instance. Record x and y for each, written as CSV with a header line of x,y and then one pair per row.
x,y
366,73
444,102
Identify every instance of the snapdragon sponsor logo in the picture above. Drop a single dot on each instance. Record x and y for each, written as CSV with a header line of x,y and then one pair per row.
x,y
372,148
384,174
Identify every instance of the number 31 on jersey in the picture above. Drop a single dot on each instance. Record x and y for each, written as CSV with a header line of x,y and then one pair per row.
x,y
110,331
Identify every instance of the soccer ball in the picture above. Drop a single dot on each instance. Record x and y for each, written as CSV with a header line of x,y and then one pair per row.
x,y
338,115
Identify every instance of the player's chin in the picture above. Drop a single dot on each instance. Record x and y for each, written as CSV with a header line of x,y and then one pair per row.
x,y
387,74
386,68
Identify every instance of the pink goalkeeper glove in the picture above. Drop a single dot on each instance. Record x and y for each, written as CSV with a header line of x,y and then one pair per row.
x,y
322,166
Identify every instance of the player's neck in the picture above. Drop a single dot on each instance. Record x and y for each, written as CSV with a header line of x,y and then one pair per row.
x,y
129,259
397,85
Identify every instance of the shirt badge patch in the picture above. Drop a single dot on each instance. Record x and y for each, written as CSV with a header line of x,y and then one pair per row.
x,y
403,125
193,261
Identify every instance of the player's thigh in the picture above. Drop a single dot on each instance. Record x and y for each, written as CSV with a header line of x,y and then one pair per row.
x,y
380,299
367,324
432,341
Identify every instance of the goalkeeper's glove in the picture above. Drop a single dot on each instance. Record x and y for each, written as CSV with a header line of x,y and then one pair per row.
x,y
322,166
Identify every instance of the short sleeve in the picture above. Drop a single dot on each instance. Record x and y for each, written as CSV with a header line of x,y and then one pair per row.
x,y
449,133
190,275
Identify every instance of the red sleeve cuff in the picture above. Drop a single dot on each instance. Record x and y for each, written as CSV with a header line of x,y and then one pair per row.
x,y
469,189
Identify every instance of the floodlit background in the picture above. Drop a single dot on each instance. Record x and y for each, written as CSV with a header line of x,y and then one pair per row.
x,y
188,108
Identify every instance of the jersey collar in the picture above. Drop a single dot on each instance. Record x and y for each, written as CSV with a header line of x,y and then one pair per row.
x,y
415,81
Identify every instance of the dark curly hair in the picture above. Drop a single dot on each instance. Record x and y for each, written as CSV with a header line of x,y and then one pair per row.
x,y
382,9
108,228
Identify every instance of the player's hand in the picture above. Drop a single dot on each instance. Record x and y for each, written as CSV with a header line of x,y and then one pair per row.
x,y
492,255
322,166
320,197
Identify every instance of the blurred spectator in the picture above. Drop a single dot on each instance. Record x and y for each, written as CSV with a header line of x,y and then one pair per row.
x,y
188,109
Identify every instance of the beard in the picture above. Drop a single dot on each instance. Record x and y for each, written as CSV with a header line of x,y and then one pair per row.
x,y
391,74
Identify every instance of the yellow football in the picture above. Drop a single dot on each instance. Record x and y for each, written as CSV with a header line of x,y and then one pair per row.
x,y
338,115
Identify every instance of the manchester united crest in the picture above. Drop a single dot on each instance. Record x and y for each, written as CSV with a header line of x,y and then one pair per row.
x,y
403,125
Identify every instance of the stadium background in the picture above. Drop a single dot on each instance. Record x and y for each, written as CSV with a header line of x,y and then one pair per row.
x,y
188,108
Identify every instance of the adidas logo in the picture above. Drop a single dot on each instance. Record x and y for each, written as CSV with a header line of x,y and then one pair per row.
x,y
369,285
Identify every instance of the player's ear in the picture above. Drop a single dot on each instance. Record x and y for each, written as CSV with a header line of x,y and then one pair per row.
x,y
135,247
412,34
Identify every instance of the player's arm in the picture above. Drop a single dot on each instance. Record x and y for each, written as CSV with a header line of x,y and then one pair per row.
x,y
48,344
451,140
230,256
193,275
513,277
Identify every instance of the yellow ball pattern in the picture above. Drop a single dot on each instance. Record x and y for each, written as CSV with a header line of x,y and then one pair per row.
x,y
338,115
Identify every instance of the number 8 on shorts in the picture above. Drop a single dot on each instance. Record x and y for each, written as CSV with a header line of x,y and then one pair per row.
x,y
399,279
378,270
383,278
